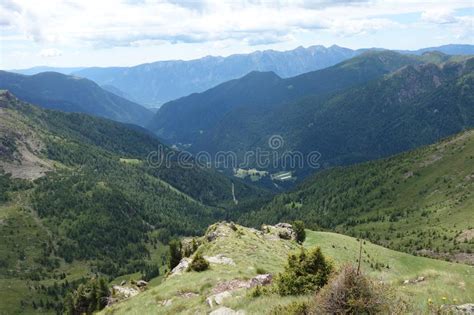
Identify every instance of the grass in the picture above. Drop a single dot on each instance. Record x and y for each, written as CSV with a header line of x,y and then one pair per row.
x,y
418,202
253,253
442,279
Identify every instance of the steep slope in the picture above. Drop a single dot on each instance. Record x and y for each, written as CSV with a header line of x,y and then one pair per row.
x,y
252,252
193,119
96,204
156,83
419,202
72,94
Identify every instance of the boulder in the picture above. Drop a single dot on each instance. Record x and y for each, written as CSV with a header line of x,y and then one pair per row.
x,y
218,298
284,225
465,308
181,267
125,292
141,283
264,279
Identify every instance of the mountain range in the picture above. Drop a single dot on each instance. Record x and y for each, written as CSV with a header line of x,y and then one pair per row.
x,y
153,84
373,105
54,90
95,188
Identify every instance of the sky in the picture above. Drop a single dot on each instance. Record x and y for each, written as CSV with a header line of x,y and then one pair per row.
x,y
72,33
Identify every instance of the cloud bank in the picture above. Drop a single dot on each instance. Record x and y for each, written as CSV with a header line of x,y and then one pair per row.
x,y
111,23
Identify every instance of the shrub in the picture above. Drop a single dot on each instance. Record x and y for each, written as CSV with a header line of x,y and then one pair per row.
x,y
175,254
305,272
89,297
294,308
261,271
298,227
198,263
350,292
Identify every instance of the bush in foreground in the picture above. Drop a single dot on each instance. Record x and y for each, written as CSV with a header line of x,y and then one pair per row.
x,y
350,292
198,263
306,272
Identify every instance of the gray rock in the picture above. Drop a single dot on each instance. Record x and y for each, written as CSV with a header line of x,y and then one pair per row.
x,y
465,308
181,267
264,279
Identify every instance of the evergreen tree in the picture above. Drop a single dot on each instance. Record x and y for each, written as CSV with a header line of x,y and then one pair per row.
x,y
175,253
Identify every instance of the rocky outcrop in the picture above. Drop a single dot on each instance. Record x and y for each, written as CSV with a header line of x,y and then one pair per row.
x,y
181,267
225,289
124,292
218,299
279,231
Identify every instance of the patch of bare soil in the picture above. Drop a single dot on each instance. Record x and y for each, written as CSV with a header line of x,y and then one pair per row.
x,y
23,158
26,165
466,235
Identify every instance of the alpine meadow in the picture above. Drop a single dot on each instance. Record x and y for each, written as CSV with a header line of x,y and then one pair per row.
x,y
237,157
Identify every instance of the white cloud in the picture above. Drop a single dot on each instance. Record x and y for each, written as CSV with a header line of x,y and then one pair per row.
x,y
439,16
111,23
50,52
94,26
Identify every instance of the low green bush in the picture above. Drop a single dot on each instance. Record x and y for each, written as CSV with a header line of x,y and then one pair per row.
x,y
305,272
198,263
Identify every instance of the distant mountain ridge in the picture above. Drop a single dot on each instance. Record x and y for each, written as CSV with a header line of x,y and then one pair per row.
x,y
73,94
39,69
153,84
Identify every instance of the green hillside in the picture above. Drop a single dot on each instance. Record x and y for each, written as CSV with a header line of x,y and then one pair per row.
x,y
197,118
368,107
254,252
419,202
73,94
80,197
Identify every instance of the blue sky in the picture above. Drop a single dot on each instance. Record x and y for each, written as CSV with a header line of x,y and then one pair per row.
x,y
123,33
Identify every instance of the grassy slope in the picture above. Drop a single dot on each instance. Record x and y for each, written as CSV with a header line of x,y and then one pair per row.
x,y
443,279
410,202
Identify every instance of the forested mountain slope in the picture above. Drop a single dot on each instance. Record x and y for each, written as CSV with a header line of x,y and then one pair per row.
x,y
372,106
420,202
193,119
73,94
83,198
